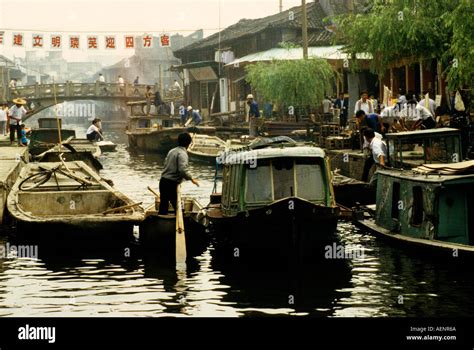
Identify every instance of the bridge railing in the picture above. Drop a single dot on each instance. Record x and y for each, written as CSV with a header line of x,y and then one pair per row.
x,y
77,90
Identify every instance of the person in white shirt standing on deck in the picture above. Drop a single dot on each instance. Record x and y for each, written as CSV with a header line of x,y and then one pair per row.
x,y
364,104
16,113
121,83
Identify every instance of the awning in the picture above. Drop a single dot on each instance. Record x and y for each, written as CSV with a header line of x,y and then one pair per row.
x,y
326,52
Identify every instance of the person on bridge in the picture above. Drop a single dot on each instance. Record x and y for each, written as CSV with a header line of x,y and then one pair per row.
x,y
94,132
16,113
121,83
12,85
174,172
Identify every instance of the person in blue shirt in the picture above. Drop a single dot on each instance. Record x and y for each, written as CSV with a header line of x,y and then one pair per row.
x,y
24,139
372,121
254,113
194,115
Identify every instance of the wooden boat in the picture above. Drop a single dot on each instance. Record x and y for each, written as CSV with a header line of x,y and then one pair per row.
x,y
422,209
106,146
46,135
158,232
205,148
74,150
157,133
424,205
65,200
277,200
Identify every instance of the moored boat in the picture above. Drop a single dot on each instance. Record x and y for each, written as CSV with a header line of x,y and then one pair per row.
x,y
65,200
46,135
427,201
275,200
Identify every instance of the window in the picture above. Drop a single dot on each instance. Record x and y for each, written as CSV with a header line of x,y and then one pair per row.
x,y
417,209
310,180
283,178
259,186
235,190
395,200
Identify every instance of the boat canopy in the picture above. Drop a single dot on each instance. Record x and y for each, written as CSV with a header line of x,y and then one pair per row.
x,y
241,157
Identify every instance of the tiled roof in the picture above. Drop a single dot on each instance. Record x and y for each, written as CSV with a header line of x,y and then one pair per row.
x,y
246,27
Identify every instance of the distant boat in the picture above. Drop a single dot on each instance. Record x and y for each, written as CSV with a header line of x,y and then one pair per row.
x,y
157,133
277,198
158,232
68,199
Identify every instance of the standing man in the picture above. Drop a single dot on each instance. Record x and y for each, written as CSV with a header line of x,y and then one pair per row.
x,y
342,104
254,113
121,83
3,119
175,170
327,109
364,104
158,102
16,113
148,97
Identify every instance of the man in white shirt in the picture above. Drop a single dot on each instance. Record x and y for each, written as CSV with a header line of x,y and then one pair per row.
x,y
369,160
431,104
378,149
364,104
101,78
16,114
121,83
93,132
418,114
3,119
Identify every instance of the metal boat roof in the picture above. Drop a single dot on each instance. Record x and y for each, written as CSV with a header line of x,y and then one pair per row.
x,y
422,133
240,157
431,178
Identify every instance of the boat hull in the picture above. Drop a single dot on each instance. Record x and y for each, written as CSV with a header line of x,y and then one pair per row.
x,y
158,233
161,140
288,228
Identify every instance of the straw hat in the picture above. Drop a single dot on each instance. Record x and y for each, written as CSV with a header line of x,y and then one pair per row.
x,y
189,108
19,101
249,96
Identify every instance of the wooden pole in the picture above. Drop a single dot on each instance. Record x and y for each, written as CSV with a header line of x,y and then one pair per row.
x,y
421,77
304,30
180,235
281,6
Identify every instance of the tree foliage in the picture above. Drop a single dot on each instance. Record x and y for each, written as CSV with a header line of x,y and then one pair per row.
x,y
298,83
420,29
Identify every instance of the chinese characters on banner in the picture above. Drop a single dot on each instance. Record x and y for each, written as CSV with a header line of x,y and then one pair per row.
x,y
37,41
56,42
129,42
92,42
74,42
147,41
165,40
110,42
18,39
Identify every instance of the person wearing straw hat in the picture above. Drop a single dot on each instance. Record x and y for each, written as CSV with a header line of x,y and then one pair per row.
x,y
16,114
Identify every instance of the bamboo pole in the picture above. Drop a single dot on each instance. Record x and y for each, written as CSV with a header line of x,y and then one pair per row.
x,y
304,30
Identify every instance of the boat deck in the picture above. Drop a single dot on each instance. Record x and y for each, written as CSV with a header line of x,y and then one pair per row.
x,y
12,160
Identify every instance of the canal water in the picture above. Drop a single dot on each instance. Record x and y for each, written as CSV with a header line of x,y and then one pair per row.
x,y
383,281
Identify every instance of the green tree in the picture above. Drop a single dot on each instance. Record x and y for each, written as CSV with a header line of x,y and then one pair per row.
x,y
298,83
414,29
